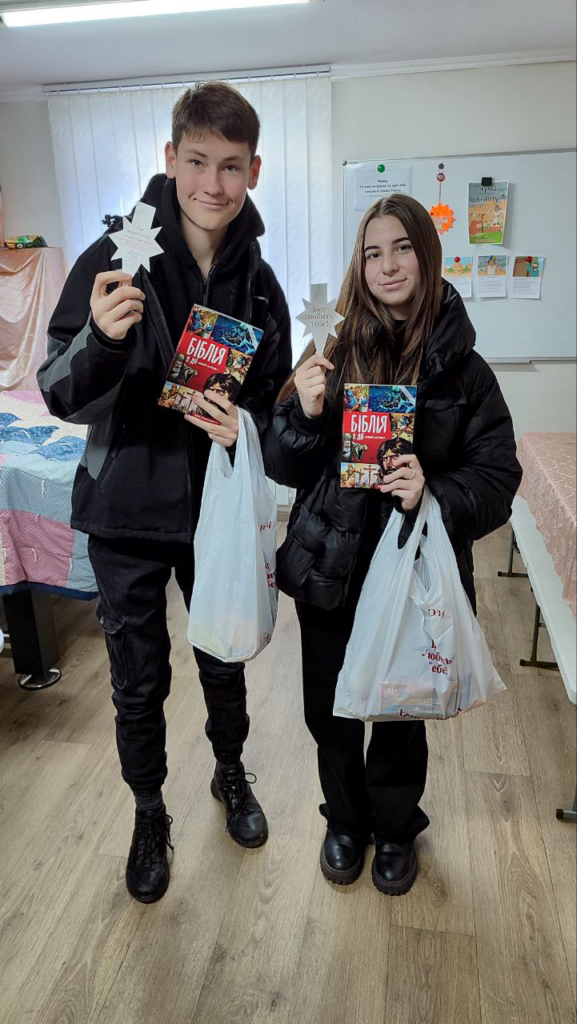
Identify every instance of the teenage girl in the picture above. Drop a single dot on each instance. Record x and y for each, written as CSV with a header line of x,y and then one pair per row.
x,y
404,325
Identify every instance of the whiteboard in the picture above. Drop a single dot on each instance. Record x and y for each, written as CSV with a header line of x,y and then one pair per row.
x,y
540,222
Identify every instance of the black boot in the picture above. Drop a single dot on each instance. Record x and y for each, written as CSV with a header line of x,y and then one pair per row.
x,y
245,820
147,869
342,858
395,868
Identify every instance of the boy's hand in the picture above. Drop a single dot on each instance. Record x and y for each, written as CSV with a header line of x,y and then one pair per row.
x,y
116,313
407,482
311,384
225,430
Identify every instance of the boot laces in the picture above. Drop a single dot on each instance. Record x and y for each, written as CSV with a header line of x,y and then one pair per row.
x,y
236,788
152,835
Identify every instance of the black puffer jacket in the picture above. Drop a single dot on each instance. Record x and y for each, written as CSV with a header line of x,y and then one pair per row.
x,y
463,439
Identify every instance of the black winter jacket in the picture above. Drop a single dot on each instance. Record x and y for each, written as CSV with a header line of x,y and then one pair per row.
x,y
143,469
463,439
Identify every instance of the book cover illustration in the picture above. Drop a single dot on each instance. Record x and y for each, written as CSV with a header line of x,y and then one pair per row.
x,y
487,212
378,426
214,353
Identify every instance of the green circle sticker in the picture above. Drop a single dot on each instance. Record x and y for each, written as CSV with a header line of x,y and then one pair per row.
x,y
381,168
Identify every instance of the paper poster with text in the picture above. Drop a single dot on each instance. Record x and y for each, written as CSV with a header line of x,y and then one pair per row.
x,y
487,212
527,276
380,182
459,271
492,276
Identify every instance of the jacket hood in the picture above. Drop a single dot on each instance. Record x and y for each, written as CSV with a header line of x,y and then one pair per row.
x,y
242,232
453,337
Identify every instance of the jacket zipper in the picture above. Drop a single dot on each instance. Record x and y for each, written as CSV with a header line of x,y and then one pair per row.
x,y
207,284
165,342
161,328
254,256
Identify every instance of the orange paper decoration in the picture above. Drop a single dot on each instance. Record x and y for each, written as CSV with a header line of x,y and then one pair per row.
x,y
443,217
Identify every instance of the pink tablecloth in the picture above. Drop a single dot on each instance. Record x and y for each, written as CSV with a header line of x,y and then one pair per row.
x,y
30,284
549,487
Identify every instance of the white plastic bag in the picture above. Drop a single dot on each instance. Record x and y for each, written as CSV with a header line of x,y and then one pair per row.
x,y
234,599
416,649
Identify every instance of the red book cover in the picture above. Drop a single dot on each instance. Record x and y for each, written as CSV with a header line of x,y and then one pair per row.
x,y
214,353
378,426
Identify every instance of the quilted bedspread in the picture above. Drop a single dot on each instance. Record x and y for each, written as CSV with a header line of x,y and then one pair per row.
x,y
38,459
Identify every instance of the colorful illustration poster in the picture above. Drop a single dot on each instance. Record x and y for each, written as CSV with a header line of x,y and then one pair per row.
x,y
459,271
487,212
527,276
380,182
492,276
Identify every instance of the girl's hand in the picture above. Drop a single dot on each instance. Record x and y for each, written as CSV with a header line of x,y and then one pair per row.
x,y
407,482
311,385
225,430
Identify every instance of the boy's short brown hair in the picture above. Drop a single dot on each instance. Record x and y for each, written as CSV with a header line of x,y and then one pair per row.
x,y
218,108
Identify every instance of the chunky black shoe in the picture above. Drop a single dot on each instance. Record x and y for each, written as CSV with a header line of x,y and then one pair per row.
x,y
342,858
147,869
245,820
395,868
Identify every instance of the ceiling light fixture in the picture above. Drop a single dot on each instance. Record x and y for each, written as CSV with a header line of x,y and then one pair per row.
x,y
39,13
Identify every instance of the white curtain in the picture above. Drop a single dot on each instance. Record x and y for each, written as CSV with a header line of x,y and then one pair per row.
x,y
108,144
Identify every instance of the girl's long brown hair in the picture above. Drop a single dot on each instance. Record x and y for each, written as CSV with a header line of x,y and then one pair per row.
x,y
365,350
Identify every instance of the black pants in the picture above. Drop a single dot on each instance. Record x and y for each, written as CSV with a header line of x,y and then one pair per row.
x,y
132,577
381,796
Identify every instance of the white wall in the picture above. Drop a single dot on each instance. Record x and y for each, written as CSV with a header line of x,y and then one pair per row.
x,y
488,110
27,176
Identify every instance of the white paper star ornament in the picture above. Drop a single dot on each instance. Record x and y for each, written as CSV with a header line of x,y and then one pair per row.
x,y
136,243
320,316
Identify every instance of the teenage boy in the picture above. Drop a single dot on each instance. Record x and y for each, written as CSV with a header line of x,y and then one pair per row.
x,y
138,488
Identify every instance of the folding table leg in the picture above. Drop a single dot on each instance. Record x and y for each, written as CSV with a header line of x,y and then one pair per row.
x,y
510,574
533,661
569,815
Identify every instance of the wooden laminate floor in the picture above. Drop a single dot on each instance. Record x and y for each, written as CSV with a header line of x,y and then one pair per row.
x,y
487,935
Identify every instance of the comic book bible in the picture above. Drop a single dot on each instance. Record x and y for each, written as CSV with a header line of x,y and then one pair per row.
x,y
213,354
378,427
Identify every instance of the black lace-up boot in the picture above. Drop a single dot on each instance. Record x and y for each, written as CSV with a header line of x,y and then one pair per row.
x,y
245,820
147,869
